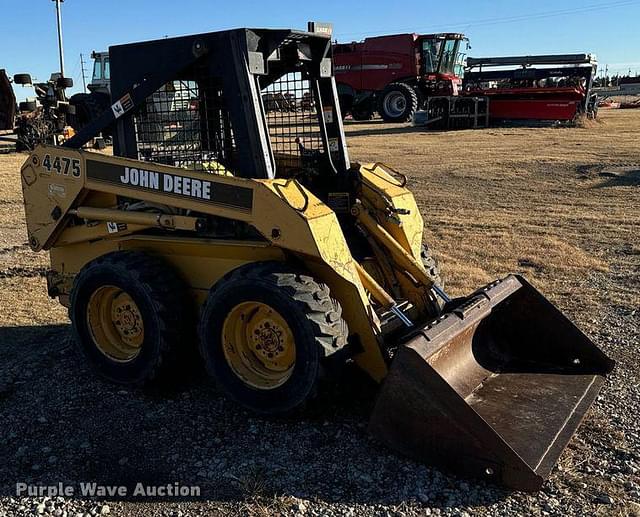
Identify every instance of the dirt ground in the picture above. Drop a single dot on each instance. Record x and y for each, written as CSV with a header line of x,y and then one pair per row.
x,y
559,205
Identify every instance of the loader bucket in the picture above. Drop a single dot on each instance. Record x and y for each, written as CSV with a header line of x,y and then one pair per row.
x,y
494,388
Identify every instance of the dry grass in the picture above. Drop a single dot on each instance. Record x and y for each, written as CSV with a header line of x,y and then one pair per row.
x,y
494,201
522,199
552,203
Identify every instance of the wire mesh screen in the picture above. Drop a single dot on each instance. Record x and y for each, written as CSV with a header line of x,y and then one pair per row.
x,y
292,119
186,124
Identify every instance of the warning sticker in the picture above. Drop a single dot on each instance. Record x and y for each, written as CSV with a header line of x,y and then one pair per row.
x,y
328,114
120,107
113,227
57,190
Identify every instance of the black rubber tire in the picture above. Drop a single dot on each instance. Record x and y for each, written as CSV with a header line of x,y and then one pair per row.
x,y
163,302
64,82
410,98
28,106
22,79
430,264
22,147
65,108
88,106
315,319
361,114
346,103
81,116
432,268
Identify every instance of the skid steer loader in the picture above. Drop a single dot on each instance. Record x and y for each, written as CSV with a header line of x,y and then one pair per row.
x,y
254,227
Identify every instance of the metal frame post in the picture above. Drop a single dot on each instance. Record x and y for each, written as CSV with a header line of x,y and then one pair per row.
x,y
60,45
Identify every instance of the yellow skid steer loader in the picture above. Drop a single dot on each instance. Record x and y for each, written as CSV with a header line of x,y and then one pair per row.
x,y
231,208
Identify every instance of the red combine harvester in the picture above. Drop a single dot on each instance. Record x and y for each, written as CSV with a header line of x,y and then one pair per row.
x,y
560,88
399,74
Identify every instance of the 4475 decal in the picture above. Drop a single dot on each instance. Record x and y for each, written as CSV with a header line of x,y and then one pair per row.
x,y
63,166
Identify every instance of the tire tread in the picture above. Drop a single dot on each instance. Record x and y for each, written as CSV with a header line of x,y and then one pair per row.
x,y
168,298
409,92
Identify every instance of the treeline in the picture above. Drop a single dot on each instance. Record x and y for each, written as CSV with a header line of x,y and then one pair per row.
x,y
616,80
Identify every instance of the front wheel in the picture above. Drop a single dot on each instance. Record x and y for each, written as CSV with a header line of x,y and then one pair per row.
x,y
397,103
264,331
361,114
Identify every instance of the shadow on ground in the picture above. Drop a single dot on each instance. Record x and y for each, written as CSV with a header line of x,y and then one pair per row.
x,y
608,176
380,128
62,425
621,177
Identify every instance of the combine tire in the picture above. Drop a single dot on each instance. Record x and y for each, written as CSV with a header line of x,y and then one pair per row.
x,y
129,314
397,103
346,103
264,331
361,114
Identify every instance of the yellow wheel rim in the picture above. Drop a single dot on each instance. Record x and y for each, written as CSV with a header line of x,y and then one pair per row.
x,y
115,323
259,345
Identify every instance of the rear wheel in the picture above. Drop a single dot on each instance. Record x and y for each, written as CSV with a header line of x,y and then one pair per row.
x,y
361,114
397,103
264,331
346,103
129,314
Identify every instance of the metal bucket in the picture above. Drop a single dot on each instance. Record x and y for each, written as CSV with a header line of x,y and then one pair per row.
x,y
494,389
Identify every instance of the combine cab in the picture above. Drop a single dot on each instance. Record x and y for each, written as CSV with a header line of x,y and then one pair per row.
x,y
559,88
400,74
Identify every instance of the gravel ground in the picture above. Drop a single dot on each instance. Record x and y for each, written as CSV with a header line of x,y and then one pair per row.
x,y
59,424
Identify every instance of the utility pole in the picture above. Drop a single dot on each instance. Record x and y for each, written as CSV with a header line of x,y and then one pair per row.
x,y
84,80
60,47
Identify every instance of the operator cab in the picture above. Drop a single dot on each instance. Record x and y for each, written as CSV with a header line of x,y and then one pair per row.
x,y
442,62
101,78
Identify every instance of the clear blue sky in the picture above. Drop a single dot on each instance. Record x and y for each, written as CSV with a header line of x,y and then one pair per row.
x,y
609,28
